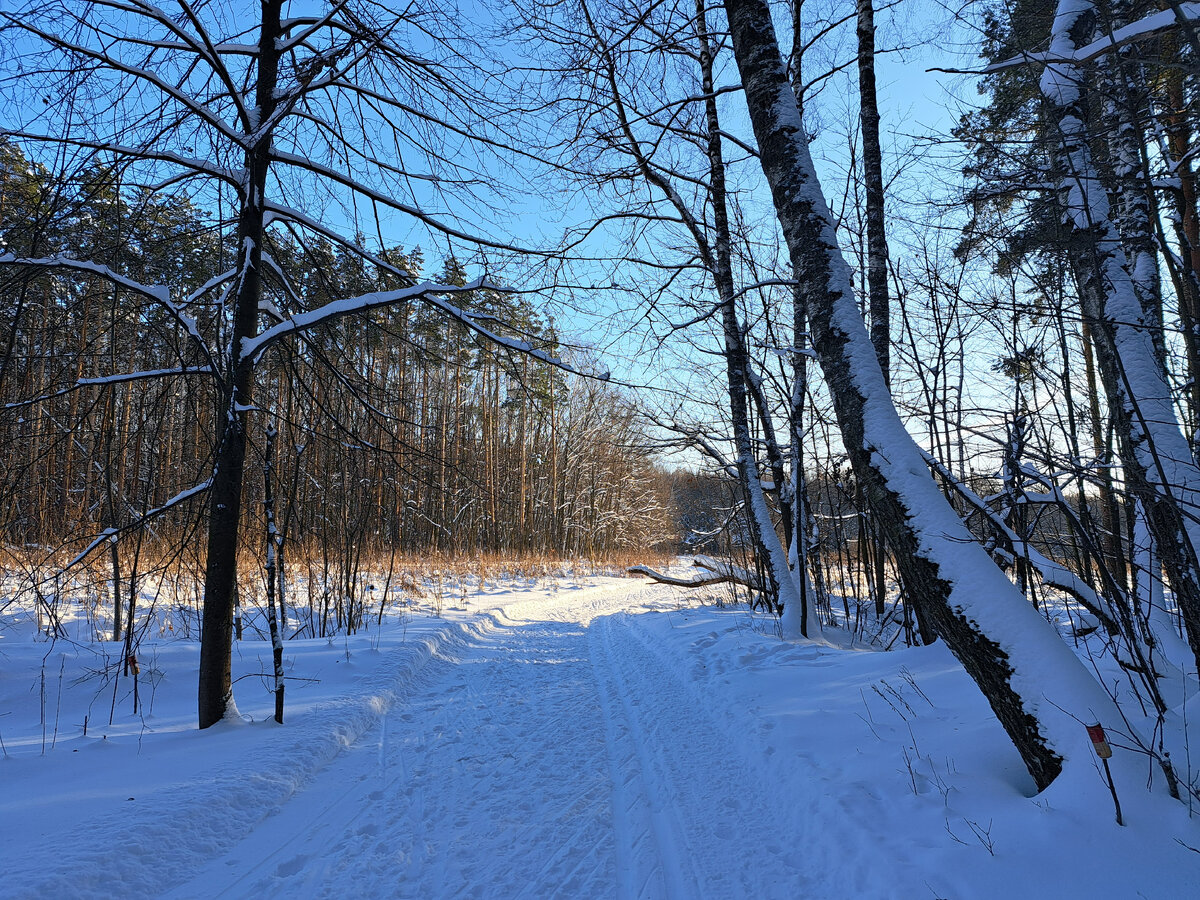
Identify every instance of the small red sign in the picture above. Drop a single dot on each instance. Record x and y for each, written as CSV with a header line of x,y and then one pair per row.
x,y
1099,740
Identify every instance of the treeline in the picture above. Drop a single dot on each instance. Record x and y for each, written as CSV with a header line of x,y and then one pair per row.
x,y
396,429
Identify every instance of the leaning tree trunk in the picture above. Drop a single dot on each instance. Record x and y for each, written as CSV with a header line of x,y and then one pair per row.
x,y
1125,97
1036,686
225,495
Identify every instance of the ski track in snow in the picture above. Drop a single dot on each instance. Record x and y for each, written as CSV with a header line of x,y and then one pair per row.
x,y
713,822
557,758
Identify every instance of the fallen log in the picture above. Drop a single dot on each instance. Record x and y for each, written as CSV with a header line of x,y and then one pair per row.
x,y
714,572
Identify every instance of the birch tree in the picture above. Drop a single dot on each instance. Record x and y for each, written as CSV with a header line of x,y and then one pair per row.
x,y
1089,96
1033,682
1121,304
649,111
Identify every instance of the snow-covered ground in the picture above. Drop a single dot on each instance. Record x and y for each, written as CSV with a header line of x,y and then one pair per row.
x,y
589,738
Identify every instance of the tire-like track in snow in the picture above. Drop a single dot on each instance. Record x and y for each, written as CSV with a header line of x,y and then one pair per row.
x,y
700,823
537,759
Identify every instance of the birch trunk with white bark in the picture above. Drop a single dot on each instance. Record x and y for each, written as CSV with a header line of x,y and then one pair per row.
x,y
1035,685
1156,458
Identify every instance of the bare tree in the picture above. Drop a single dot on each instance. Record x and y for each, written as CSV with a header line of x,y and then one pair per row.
x,y
664,135
357,107
998,637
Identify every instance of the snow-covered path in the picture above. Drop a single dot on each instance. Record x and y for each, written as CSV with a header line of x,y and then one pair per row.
x,y
559,757
589,738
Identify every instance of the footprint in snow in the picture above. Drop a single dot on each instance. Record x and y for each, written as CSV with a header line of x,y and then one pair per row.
x,y
291,867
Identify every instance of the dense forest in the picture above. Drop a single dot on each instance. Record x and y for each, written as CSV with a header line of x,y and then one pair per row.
x,y
437,440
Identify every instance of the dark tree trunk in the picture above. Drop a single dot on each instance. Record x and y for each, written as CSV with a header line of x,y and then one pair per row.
x,y
273,623
225,495
1187,233
877,249
773,557
878,302
799,550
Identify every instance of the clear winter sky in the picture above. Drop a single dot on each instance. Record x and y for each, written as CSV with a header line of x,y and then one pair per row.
x,y
918,110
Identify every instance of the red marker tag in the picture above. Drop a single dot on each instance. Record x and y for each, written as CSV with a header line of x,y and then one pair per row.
x,y
1099,741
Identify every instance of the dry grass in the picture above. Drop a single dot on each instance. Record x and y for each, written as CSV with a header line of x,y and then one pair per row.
x,y
169,579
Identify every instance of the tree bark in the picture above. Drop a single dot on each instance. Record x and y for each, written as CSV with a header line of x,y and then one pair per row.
x,y
1002,642
878,302
877,249
774,558
1187,233
273,623
215,694
1155,456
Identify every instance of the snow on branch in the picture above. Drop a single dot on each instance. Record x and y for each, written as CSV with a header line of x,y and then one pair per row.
x,y
122,378
713,571
472,322
110,534
429,292
215,281
312,24
156,292
1148,26
692,436
426,292
701,579
253,347
159,293
1052,573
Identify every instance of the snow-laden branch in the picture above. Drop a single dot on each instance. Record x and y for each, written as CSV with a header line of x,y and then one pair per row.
x,y
159,293
312,24
215,281
693,437
518,346
428,292
253,347
1052,573
121,378
425,293
109,534
1146,27
713,571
